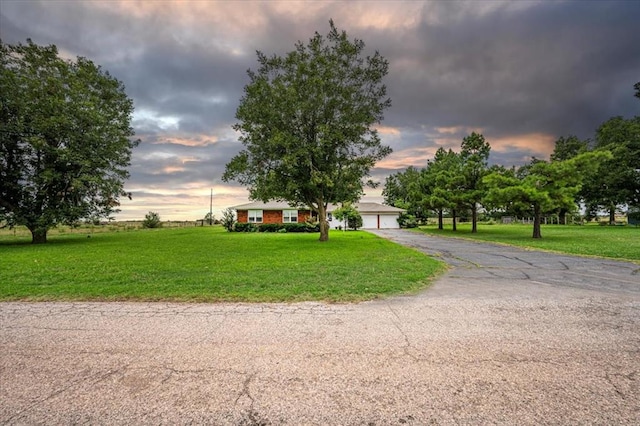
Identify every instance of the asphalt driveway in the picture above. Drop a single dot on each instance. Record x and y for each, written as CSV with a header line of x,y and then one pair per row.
x,y
508,271
507,336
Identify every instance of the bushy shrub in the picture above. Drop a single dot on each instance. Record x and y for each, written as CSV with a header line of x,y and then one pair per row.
x,y
245,227
277,227
270,227
406,220
152,220
350,214
302,227
228,219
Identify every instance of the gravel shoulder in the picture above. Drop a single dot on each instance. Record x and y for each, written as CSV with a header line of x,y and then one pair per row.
x,y
502,338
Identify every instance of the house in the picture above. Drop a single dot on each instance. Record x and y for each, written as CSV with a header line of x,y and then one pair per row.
x,y
374,215
272,212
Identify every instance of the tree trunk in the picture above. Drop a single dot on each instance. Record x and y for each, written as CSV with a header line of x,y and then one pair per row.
x,y
612,215
453,213
536,222
474,219
562,217
38,235
440,227
324,225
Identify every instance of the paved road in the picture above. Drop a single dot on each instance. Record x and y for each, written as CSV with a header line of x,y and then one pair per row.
x,y
506,337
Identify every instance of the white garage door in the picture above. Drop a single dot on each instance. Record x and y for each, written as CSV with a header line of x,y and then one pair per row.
x,y
369,221
386,221
389,221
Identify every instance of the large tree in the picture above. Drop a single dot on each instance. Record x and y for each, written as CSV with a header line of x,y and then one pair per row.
x,y
617,183
437,187
396,188
541,186
65,139
445,177
565,149
400,191
474,156
307,121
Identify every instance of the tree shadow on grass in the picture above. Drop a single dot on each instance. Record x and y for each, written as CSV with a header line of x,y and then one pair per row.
x,y
51,241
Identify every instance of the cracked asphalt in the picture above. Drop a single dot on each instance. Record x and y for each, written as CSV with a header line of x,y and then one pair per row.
x,y
507,336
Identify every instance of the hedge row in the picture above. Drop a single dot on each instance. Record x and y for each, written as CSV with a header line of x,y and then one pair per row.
x,y
276,227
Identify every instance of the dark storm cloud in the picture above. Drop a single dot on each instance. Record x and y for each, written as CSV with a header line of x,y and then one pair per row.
x,y
178,81
556,67
160,164
523,73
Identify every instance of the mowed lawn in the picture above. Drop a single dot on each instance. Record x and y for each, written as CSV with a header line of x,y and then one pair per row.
x,y
210,265
617,242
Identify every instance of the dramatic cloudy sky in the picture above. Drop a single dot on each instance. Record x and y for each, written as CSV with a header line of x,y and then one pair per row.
x,y
523,73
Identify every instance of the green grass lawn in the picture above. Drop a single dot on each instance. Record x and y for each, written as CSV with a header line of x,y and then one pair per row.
x,y
618,242
208,265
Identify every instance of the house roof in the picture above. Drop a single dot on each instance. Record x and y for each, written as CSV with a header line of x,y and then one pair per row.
x,y
376,208
271,205
283,205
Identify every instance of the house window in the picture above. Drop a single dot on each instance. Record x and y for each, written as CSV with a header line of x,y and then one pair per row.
x,y
289,216
255,216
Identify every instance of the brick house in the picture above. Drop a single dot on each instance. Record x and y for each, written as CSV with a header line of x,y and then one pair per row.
x,y
374,215
272,212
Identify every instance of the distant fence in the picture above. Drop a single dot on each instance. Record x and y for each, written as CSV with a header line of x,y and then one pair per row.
x,y
547,220
87,228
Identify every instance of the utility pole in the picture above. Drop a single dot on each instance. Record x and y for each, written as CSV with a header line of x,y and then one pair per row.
x,y
211,208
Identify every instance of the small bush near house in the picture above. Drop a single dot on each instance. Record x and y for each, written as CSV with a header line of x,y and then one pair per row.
x,y
245,227
269,227
228,219
350,214
277,227
152,220
302,227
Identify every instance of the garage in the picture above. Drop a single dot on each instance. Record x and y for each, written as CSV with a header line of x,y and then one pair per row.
x,y
375,216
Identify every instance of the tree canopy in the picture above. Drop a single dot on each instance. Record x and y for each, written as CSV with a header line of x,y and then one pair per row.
x,y
569,147
307,121
65,139
617,182
474,156
601,175
451,181
541,186
398,190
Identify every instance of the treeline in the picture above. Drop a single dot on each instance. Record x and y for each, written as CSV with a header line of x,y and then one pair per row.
x,y
602,174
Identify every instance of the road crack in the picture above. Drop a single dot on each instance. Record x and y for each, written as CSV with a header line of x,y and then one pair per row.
x,y
617,387
407,344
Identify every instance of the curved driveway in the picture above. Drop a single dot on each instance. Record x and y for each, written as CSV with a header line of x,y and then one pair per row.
x,y
507,336
484,267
